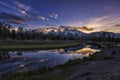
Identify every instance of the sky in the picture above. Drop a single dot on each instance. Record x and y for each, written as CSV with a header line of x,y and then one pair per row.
x,y
101,15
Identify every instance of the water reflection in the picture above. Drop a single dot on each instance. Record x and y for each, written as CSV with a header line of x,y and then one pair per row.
x,y
19,53
4,55
38,58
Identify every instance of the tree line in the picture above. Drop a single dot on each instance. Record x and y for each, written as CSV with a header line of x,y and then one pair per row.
x,y
6,32
27,34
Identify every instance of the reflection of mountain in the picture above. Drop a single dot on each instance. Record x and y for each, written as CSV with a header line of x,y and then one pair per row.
x,y
104,34
83,50
82,46
73,48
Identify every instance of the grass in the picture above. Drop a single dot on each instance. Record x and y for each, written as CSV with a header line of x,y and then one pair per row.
x,y
37,46
41,74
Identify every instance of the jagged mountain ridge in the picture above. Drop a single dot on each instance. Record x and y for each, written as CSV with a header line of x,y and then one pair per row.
x,y
68,33
104,34
79,28
76,34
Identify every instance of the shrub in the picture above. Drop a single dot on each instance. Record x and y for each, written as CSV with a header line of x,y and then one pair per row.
x,y
45,69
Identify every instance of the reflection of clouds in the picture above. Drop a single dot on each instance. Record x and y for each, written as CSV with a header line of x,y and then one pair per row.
x,y
88,46
87,50
22,65
61,51
35,59
70,52
41,60
88,54
84,52
77,56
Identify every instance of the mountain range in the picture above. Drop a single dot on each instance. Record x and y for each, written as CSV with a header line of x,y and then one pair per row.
x,y
74,33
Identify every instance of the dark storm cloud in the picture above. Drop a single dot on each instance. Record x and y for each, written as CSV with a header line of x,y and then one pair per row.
x,y
12,18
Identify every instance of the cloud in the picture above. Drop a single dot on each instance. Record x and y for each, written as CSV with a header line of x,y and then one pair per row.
x,y
22,6
51,25
20,13
84,28
41,18
6,5
117,25
104,22
26,10
12,18
53,15
96,22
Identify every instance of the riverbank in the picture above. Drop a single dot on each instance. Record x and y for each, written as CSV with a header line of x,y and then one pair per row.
x,y
104,65
34,45
47,44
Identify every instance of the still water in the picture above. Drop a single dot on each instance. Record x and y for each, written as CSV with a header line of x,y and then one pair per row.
x,y
26,60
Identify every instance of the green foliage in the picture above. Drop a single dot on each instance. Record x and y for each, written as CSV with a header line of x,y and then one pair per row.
x,y
27,75
73,62
33,46
45,69
4,30
97,56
